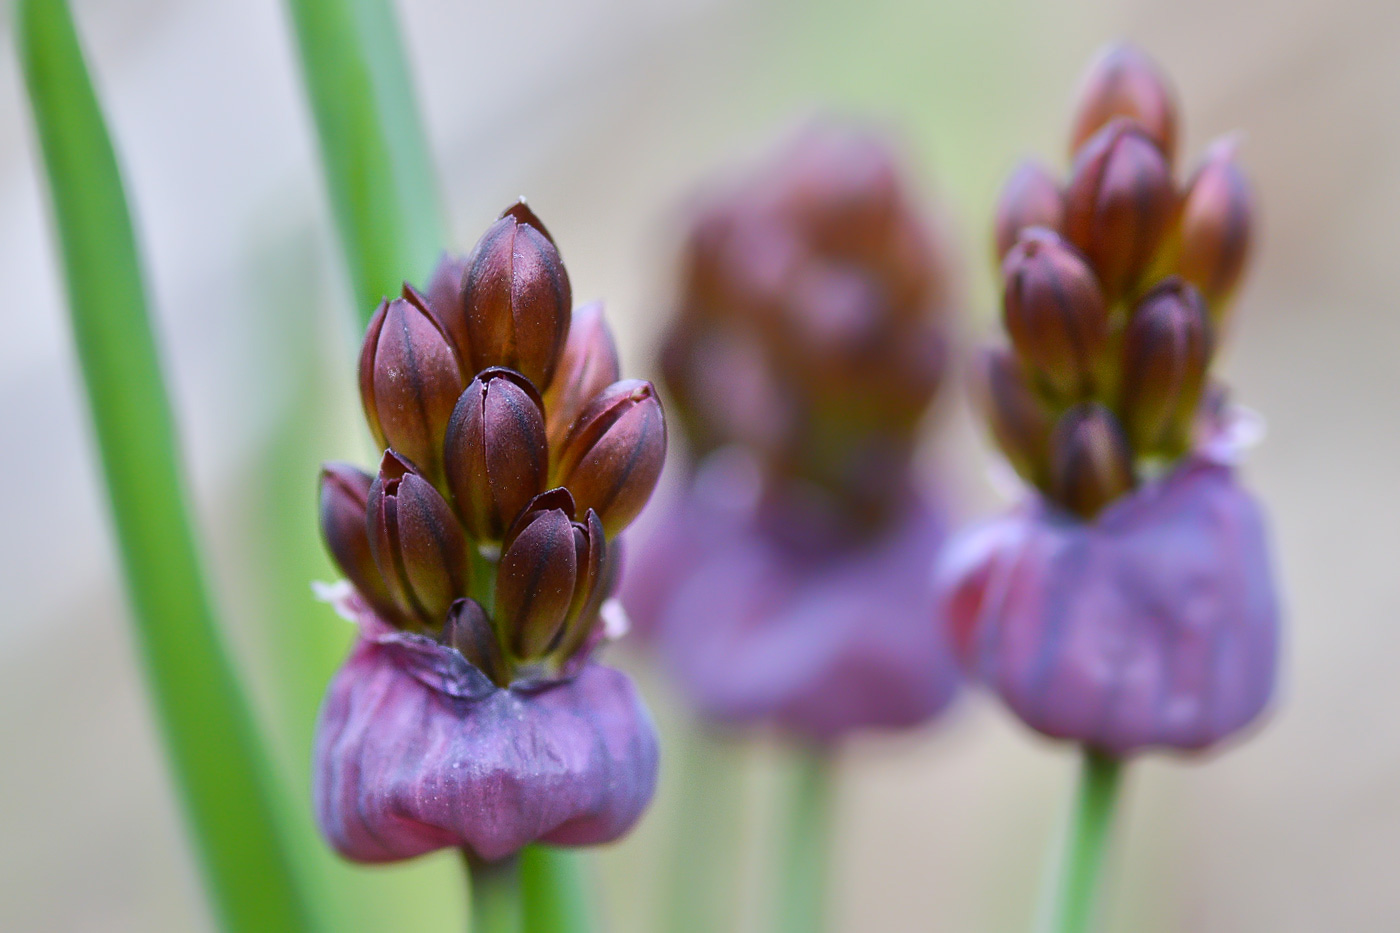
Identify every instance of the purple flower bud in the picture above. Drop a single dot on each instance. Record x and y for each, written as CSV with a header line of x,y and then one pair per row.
x,y
1166,352
1153,626
517,298
444,302
409,381
496,453
1054,312
344,503
1216,219
1091,463
536,579
1020,421
1124,82
416,542
469,630
1030,198
1118,204
613,456
587,366
416,750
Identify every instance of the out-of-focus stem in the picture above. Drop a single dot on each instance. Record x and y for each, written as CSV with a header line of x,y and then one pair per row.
x,y
495,896
1073,900
703,882
220,766
802,884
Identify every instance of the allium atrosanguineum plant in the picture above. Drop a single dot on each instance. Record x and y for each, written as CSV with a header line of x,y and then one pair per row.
x,y
1127,602
471,712
788,581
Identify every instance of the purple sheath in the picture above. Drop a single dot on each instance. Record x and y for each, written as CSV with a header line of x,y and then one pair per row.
x,y
417,750
1153,626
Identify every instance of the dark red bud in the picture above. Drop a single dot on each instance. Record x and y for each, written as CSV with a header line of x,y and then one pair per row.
x,y
517,298
593,560
496,453
1124,82
444,299
1019,420
469,630
344,502
409,382
1091,463
1216,220
613,456
1054,312
1166,353
535,581
1031,198
1118,204
417,544
587,366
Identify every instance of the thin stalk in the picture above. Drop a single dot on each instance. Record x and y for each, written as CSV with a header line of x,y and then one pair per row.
x,y
1074,898
703,880
554,887
495,896
802,885
219,765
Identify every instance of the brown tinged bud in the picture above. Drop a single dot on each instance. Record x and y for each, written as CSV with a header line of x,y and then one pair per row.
x,y
469,630
1054,312
409,382
1166,353
1124,82
417,544
1216,225
344,502
1118,204
537,575
496,453
1019,420
517,299
595,563
1030,198
1091,463
613,456
444,301
587,366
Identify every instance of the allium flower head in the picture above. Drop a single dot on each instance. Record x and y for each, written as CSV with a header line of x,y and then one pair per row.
x,y
1128,602
471,712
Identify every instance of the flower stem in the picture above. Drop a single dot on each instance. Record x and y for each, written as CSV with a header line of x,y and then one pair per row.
x,y
702,875
1071,905
554,889
802,884
495,895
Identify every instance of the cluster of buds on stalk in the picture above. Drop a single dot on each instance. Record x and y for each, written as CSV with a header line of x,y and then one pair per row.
x,y
1116,287
812,323
513,455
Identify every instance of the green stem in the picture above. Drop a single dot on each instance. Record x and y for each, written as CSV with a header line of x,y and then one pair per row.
x,y
1073,900
220,767
495,896
703,879
554,886
803,883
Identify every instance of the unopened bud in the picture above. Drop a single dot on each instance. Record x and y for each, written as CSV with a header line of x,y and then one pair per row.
x,y
613,456
444,299
1030,198
587,366
1054,312
517,298
1166,352
594,560
416,542
1216,225
469,630
344,502
409,382
1091,463
1019,420
536,578
1124,82
1118,204
496,453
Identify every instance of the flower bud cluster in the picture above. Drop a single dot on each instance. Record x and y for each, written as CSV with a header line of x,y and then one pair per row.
x,y
514,454
812,322
1116,285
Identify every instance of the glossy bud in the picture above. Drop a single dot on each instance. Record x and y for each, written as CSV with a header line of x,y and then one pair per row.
x,y
409,382
1020,422
416,543
587,366
594,562
1124,82
344,502
613,456
1166,351
517,299
468,629
1054,312
1091,463
1216,225
1118,204
1030,198
537,574
496,454
444,301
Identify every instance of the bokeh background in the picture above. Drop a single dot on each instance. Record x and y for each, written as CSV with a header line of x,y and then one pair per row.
x,y
605,113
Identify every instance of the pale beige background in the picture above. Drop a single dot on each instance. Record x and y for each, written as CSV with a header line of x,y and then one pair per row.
x,y
603,113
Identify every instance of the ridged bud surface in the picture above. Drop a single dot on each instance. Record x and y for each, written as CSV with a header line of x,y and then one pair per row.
x,y
1124,82
1091,463
613,456
587,366
1217,217
1166,354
